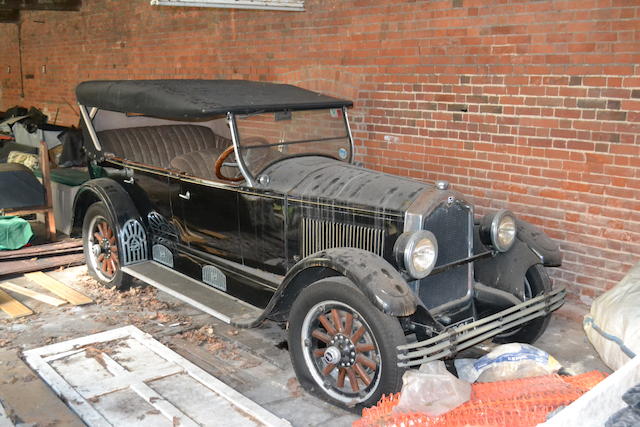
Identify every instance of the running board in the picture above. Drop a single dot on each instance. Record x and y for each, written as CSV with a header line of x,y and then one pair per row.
x,y
212,301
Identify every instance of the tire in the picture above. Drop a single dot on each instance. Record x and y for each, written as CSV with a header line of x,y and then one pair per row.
x,y
102,256
371,356
536,281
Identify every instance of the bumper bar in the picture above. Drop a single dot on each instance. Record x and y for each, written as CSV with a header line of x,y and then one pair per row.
x,y
458,338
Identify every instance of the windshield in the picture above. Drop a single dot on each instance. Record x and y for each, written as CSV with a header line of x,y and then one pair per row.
x,y
270,137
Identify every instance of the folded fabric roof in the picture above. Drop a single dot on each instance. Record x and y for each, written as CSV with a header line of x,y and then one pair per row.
x,y
192,99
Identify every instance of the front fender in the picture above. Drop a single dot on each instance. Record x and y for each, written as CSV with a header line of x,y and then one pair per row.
x,y
374,276
506,270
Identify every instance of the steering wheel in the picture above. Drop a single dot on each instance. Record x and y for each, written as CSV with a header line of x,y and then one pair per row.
x,y
220,162
254,140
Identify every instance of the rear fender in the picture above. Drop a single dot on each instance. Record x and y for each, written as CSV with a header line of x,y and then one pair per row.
x,y
132,237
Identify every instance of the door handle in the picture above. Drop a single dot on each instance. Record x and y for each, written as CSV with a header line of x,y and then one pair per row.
x,y
129,180
185,196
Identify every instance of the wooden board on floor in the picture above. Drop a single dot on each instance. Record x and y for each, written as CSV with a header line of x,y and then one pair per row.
x,y
13,307
66,246
47,299
26,265
59,288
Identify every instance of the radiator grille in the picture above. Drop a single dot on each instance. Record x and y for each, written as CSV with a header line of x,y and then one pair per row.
x,y
451,226
318,235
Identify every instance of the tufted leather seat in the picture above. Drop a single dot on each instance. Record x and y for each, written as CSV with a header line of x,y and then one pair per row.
x,y
159,145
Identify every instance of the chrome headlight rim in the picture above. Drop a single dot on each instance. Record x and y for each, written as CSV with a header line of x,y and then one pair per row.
x,y
405,248
496,223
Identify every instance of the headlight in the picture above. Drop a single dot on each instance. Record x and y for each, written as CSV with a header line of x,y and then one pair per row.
x,y
499,231
416,253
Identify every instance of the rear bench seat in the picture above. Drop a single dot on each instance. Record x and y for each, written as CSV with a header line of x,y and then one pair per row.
x,y
188,148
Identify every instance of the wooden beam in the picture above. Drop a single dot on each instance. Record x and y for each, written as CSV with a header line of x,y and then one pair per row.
x,y
41,4
26,265
65,246
9,16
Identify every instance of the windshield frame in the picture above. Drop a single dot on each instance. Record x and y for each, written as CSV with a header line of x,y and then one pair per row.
x,y
244,169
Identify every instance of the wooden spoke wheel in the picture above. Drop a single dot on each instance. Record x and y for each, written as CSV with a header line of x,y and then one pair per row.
x,y
342,347
100,243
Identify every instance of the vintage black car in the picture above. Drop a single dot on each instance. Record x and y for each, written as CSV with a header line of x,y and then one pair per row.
x,y
242,198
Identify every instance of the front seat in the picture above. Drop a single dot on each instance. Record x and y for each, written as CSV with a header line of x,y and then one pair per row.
x,y
201,164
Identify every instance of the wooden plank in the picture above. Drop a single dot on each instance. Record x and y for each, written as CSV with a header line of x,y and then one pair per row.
x,y
13,307
27,265
32,294
59,288
70,245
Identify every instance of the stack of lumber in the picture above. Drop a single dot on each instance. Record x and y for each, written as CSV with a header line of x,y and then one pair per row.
x,y
41,257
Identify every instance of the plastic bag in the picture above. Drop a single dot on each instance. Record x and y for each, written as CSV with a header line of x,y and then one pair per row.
x,y
612,325
507,362
432,390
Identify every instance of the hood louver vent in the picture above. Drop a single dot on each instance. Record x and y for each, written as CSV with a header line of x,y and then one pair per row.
x,y
318,235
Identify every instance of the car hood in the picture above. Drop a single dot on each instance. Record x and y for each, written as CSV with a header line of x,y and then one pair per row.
x,y
313,177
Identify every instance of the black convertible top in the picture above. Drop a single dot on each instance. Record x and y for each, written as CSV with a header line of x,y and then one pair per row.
x,y
174,99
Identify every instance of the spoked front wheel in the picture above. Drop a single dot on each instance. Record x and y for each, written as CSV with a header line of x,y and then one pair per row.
x,y
343,349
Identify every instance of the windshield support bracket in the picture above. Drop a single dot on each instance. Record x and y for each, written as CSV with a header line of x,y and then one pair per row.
x,y
231,120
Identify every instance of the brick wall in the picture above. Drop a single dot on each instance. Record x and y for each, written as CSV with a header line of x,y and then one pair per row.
x,y
530,105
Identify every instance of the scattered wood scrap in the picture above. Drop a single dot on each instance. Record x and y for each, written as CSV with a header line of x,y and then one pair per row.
x,y
32,294
13,307
37,264
60,289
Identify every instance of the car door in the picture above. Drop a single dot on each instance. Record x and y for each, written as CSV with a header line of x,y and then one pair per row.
x,y
210,218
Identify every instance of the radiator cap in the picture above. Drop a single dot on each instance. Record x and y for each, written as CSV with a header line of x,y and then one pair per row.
x,y
442,184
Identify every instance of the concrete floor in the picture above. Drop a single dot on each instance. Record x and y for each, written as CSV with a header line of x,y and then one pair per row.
x,y
255,362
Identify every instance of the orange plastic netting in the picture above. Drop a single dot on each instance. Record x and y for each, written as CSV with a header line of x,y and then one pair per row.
x,y
515,403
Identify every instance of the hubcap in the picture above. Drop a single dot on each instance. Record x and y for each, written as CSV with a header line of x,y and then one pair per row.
x,y
341,353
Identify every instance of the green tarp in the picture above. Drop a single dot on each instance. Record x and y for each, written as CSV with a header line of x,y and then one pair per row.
x,y
15,232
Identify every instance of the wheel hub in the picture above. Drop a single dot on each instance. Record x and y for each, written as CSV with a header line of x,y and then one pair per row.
x,y
347,351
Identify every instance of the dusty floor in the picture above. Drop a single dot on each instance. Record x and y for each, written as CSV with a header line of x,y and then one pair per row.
x,y
255,362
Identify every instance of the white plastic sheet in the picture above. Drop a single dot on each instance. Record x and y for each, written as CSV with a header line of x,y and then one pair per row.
x,y
613,325
432,390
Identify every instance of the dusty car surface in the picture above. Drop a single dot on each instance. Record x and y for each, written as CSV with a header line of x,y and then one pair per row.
x,y
242,198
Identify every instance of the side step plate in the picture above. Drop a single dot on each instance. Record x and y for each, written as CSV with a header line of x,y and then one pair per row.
x,y
212,301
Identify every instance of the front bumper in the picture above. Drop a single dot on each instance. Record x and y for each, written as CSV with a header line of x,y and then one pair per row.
x,y
457,338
